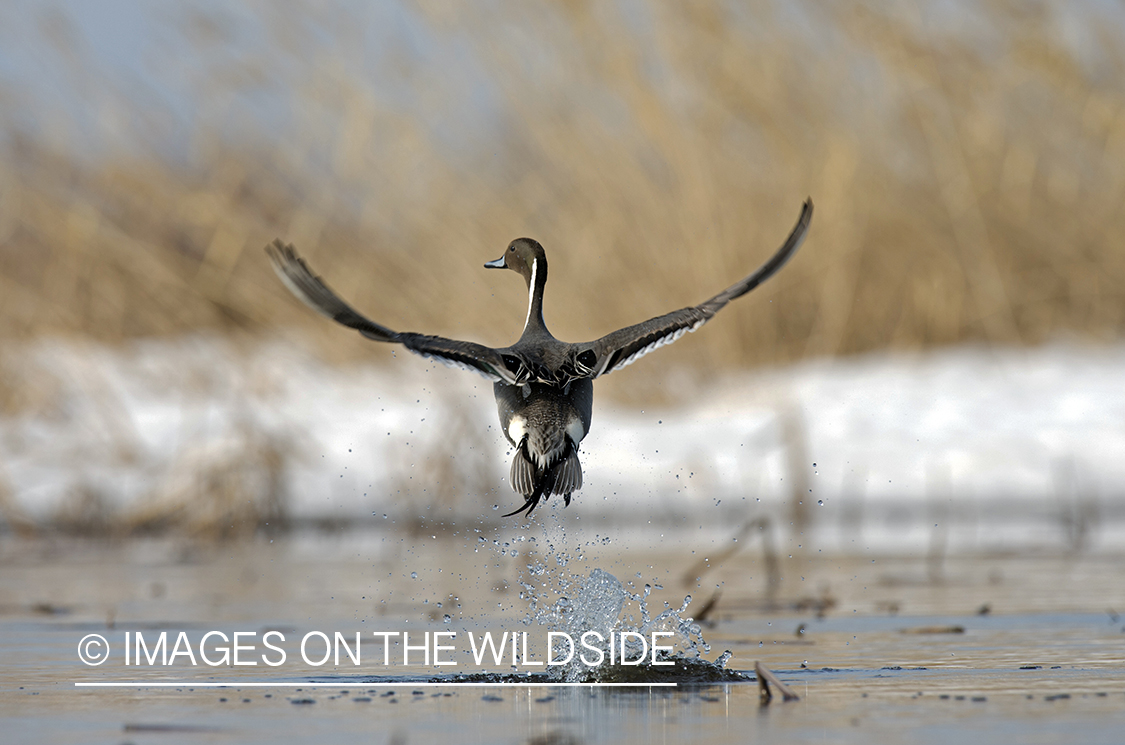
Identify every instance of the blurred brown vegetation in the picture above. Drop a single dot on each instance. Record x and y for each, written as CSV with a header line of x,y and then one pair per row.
x,y
968,176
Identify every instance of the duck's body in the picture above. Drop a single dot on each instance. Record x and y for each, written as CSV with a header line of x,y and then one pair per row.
x,y
543,387
545,422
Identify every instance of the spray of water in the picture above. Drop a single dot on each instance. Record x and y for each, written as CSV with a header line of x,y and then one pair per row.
x,y
565,602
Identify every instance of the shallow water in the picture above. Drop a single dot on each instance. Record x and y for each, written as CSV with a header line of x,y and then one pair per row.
x,y
997,648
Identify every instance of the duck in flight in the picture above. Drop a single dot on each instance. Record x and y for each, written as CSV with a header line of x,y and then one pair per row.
x,y
543,387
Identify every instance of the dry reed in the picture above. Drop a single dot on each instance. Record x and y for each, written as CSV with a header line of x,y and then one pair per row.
x,y
968,182
968,177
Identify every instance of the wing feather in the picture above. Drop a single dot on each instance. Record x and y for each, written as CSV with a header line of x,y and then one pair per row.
x,y
625,346
313,291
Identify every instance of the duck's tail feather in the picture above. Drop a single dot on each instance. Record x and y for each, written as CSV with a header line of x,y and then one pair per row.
x,y
569,478
542,489
522,476
561,477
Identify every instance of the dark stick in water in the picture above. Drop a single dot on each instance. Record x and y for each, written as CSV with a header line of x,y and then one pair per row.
x,y
765,678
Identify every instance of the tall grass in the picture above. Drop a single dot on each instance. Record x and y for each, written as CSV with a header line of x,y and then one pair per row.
x,y
968,175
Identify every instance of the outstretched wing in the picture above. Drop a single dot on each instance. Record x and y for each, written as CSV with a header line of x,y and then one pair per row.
x,y
625,346
312,291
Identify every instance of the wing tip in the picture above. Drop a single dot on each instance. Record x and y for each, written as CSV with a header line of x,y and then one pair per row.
x,y
806,213
281,253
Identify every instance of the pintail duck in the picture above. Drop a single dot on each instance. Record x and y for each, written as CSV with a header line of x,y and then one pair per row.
x,y
543,387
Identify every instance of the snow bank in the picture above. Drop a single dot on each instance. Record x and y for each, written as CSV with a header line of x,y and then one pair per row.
x,y
1000,447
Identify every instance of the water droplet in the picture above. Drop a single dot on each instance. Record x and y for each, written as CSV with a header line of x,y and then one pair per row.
x,y
414,575
446,618
820,502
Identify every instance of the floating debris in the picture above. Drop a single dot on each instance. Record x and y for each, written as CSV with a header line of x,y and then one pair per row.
x,y
704,616
163,727
934,630
765,679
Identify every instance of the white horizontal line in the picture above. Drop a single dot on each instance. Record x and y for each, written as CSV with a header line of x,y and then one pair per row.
x,y
357,685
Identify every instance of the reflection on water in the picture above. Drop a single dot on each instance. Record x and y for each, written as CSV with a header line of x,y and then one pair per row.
x,y
1019,647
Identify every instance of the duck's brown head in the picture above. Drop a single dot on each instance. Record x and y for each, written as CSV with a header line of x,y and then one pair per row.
x,y
525,256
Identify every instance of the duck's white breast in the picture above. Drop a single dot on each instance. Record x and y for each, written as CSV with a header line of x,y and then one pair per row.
x,y
517,428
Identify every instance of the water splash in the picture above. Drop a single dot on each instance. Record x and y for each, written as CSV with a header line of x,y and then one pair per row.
x,y
602,604
565,602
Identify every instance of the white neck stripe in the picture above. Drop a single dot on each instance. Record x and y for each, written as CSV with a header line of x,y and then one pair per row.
x,y
531,290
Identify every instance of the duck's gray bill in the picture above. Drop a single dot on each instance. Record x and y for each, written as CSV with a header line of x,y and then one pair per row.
x,y
498,264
